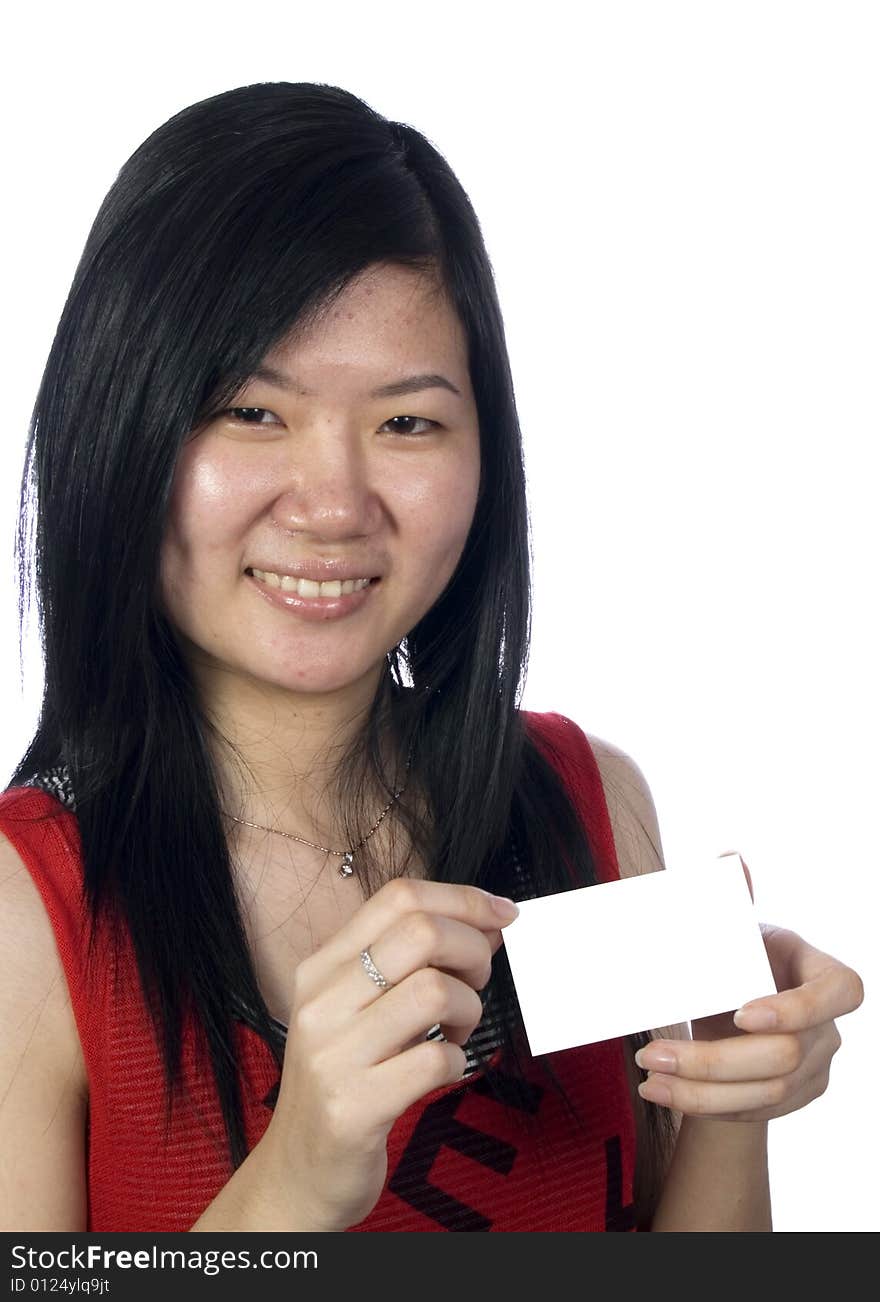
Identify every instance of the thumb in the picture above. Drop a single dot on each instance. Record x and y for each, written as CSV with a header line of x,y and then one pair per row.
x,y
745,870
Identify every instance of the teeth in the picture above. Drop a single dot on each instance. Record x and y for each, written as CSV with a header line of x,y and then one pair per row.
x,y
308,587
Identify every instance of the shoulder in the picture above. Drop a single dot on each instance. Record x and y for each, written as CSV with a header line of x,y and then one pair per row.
x,y
43,1078
33,981
628,797
631,809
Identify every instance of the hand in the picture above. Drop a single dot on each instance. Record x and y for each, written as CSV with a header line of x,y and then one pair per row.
x,y
356,1056
744,1070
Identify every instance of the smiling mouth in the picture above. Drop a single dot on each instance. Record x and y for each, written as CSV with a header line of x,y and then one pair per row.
x,y
309,589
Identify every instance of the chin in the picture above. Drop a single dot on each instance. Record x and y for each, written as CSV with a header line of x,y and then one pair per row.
x,y
318,681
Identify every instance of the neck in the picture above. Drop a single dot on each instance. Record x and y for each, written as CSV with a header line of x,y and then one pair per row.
x,y
277,752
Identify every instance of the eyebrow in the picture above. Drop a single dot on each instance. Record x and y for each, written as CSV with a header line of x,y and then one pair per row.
x,y
410,384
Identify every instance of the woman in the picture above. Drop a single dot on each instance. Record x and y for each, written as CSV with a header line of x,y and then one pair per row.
x,y
284,1004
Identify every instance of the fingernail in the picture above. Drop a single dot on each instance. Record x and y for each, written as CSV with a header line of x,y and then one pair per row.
x,y
656,1060
755,1017
654,1092
504,907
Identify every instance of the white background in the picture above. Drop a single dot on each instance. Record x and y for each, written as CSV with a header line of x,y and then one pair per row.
x,y
681,204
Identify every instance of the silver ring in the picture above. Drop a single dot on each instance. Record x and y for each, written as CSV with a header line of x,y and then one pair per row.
x,y
372,971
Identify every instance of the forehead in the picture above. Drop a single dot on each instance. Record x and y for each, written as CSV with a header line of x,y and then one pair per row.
x,y
385,315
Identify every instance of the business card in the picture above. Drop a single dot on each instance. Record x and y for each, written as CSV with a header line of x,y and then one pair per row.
x,y
604,961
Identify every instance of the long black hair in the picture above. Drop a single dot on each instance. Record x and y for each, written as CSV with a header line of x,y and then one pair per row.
x,y
238,219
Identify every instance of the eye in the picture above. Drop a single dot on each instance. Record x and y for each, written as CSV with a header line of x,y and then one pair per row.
x,y
254,416
243,414
433,424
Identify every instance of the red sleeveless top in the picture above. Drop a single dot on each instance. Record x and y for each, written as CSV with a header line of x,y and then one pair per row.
x,y
459,1159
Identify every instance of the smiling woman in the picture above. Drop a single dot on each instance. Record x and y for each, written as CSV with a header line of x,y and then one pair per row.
x,y
258,858
328,490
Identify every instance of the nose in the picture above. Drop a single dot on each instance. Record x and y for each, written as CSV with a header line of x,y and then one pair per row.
x,y
328,491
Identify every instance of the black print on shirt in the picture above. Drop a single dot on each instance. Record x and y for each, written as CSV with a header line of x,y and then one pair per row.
x,y
437,1128
617,1217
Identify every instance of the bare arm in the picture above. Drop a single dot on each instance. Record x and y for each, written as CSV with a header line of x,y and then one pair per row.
x,y
43,1093
250,1200
44,1089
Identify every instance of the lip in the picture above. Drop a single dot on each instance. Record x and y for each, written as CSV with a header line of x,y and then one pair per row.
x,y
323,571
314,608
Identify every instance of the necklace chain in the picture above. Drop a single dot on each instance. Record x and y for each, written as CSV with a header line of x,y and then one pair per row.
x,y
347,867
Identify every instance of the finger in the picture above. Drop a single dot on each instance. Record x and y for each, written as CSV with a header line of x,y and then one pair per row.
x,y
327,1003
414,942
743,1058
495,939
401,1017
836,990
806,1094
795,961
708,1099
398,1082
467,904
427,940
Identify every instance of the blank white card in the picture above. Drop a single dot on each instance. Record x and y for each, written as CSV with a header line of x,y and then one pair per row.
x,y
605,961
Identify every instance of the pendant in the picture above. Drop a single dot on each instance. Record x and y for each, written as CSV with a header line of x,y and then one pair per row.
x,y
347,860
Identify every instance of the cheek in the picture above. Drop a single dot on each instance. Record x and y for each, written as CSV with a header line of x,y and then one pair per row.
x,y
437,510
207,511
209,504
